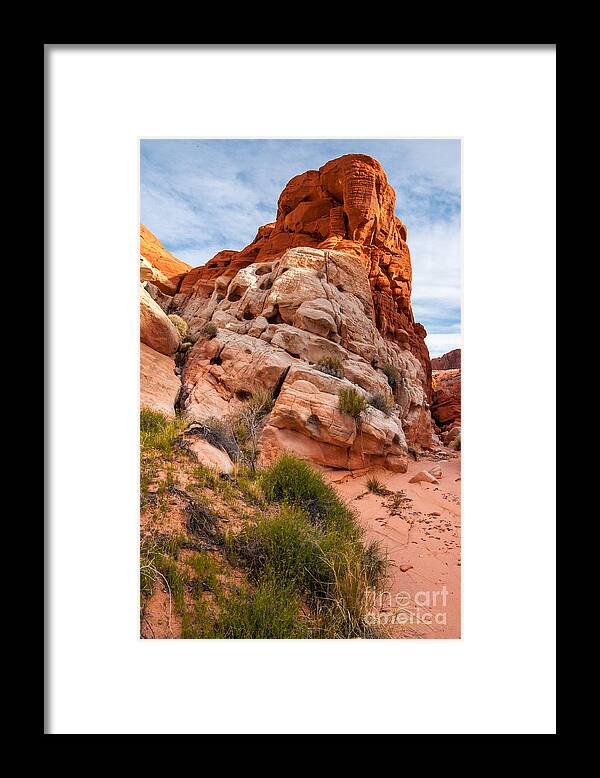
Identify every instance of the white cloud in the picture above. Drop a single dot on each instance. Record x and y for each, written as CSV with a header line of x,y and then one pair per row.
x,y
442,342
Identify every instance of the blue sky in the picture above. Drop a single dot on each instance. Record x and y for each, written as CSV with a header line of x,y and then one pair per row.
x,y
201,196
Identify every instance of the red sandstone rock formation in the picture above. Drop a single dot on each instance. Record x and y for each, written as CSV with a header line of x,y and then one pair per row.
x,y
330,279
347,205
158,265
448,361
445,406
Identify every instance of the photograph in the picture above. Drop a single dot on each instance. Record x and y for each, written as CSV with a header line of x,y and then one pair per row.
x,y
290,455
300,388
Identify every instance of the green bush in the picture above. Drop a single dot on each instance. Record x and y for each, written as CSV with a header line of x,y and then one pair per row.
x,y
283,547
392,374
383,402
270,611
328,569
180,325
293,482
314,545
331,366
352,402
208,330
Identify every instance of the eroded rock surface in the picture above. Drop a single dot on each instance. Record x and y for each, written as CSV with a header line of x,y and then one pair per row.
x,y
329,279
347,206
159,386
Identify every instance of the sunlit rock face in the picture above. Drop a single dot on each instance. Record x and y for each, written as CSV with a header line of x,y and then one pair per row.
x,y
330,278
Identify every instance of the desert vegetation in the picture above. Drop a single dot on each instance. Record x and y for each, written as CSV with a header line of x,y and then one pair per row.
x,y
352,402
392,374
272,553
208,330
382,402
375,486
331,366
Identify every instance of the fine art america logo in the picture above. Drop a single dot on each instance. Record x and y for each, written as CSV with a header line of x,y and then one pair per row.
x,y
404,609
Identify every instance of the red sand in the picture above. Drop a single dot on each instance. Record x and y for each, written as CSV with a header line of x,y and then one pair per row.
x,y
424,600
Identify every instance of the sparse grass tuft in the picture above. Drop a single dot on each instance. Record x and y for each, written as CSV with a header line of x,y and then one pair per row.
x,y
180,325
375,486
260,404
383,402
352,402
157,431
158,561
206,571
392,375
208,330
331,366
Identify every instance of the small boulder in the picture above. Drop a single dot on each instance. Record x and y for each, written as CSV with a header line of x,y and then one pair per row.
x,y
436,471
455,443
209,456
423,475
405,568
156,330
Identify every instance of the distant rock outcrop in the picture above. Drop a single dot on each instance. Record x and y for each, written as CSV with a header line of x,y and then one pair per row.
x,y
448,361
446,403
158,265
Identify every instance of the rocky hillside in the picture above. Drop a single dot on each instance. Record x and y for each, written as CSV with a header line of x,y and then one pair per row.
x,y
448,361
315,312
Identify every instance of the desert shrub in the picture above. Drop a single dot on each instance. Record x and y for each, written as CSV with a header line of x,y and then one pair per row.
x,y
294,482
208,330
248,422
331,366
283,547
270,611
238,433
375,486
157,431
341,613
218,433
260,404
383,402
180,325
315,545
328,569
352,402
392,374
